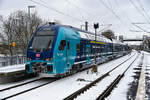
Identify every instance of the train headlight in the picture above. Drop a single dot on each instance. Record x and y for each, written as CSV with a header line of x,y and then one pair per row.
x,y
48,59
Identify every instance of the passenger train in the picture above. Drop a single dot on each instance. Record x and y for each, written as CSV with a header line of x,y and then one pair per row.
x,y
57,50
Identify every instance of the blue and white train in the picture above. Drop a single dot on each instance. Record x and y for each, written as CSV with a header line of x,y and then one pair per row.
x,y
57,50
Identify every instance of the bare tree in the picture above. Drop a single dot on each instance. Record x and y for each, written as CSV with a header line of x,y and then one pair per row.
x,y
1,27
16,29
3,47
109,34
8,34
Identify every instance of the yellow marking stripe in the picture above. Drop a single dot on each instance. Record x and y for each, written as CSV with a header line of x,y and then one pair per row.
x,y
97,42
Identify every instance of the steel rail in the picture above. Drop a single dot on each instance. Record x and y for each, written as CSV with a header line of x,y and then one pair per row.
x,y
45,84
11,87
82,90
13,95
113,84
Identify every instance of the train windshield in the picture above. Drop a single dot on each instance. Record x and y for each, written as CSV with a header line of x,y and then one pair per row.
x,y
43,39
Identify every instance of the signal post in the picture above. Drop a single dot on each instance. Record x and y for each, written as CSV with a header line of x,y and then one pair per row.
x,y
94,67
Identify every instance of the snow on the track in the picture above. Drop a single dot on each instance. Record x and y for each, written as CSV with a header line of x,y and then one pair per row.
x,y
66,86
120,92
147,97
9,92
12,68
2,55
6,85
95,91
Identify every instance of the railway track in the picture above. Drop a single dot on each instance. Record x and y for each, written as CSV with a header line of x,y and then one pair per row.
x,y
21,91
90,85
20,88
24,83
113,84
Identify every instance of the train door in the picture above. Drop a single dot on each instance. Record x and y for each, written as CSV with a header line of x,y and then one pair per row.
x,y
68,54
63,57
60,57
88,51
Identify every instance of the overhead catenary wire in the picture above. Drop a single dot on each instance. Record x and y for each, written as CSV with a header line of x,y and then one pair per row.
x,y
88,13
57,11
67,2
142,7
135,24
79,9
102,2
116,2
130,21
109,2
132,24
111,7
138,31
113,12
71,3
139,11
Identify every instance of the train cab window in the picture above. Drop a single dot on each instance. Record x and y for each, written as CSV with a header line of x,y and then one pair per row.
x,y
43,39
78,47
62,44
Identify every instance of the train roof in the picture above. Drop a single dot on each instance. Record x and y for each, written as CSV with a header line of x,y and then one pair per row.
x,y
86,34
91,36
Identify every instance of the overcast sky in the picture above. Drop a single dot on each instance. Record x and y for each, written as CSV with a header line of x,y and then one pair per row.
x,y
119,13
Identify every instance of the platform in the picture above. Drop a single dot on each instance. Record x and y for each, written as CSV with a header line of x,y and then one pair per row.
x,y
12,73
141,92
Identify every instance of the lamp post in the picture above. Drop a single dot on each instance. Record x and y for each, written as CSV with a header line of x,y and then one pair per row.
x,y
29,7
86,26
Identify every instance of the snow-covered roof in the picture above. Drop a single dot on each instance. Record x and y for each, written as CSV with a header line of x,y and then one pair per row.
x,y
101,38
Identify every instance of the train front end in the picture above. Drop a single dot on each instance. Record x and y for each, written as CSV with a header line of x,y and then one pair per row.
x,y
40,51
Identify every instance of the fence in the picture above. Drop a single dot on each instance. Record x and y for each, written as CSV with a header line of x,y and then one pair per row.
x,y
13,60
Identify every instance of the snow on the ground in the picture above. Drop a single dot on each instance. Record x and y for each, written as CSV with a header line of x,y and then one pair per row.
x,y
120,92
66,86
5,85
95,91
2,55
12,68
21,88
147,97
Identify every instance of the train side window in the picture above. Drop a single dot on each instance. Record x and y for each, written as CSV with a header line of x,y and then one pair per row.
x,y
68,45
62,44
78,47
